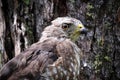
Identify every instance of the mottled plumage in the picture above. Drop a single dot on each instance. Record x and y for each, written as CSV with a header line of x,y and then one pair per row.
x,y
54,57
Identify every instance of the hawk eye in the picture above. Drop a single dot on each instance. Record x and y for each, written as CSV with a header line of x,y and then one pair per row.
x,y
65,26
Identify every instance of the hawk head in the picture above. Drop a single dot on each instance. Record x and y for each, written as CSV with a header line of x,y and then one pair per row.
x,y
65,27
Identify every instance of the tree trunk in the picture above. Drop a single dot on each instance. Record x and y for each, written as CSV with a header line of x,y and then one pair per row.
x,y
15,39
2,36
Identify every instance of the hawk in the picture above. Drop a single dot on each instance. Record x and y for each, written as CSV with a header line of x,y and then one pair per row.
x,y
54,57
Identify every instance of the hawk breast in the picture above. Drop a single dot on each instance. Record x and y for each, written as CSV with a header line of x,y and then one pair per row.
x,y
67,65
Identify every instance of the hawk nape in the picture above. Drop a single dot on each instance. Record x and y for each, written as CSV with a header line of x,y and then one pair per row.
x,y
54,57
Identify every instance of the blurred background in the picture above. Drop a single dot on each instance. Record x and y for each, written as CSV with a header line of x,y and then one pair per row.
x,y
22,21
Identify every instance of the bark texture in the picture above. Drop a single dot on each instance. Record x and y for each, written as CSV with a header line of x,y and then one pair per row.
x,y
2,35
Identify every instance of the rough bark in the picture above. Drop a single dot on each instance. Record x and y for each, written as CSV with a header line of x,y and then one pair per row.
x,y
44,11
2,35
15,39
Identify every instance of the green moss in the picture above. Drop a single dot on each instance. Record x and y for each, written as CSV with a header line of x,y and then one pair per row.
x,y
100,42
72,1
90,6
90,12
107,58
101,61
29,32
97,63
26,2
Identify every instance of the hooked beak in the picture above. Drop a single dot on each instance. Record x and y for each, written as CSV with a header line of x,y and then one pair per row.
x,y
82,29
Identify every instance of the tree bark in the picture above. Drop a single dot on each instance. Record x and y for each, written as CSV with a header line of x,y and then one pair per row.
x,y
15,38
2,37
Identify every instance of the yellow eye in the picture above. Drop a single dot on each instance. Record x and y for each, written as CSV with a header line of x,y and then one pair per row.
x,y
65,26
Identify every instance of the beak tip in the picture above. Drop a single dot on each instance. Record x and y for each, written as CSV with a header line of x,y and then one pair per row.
x,y
84,31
